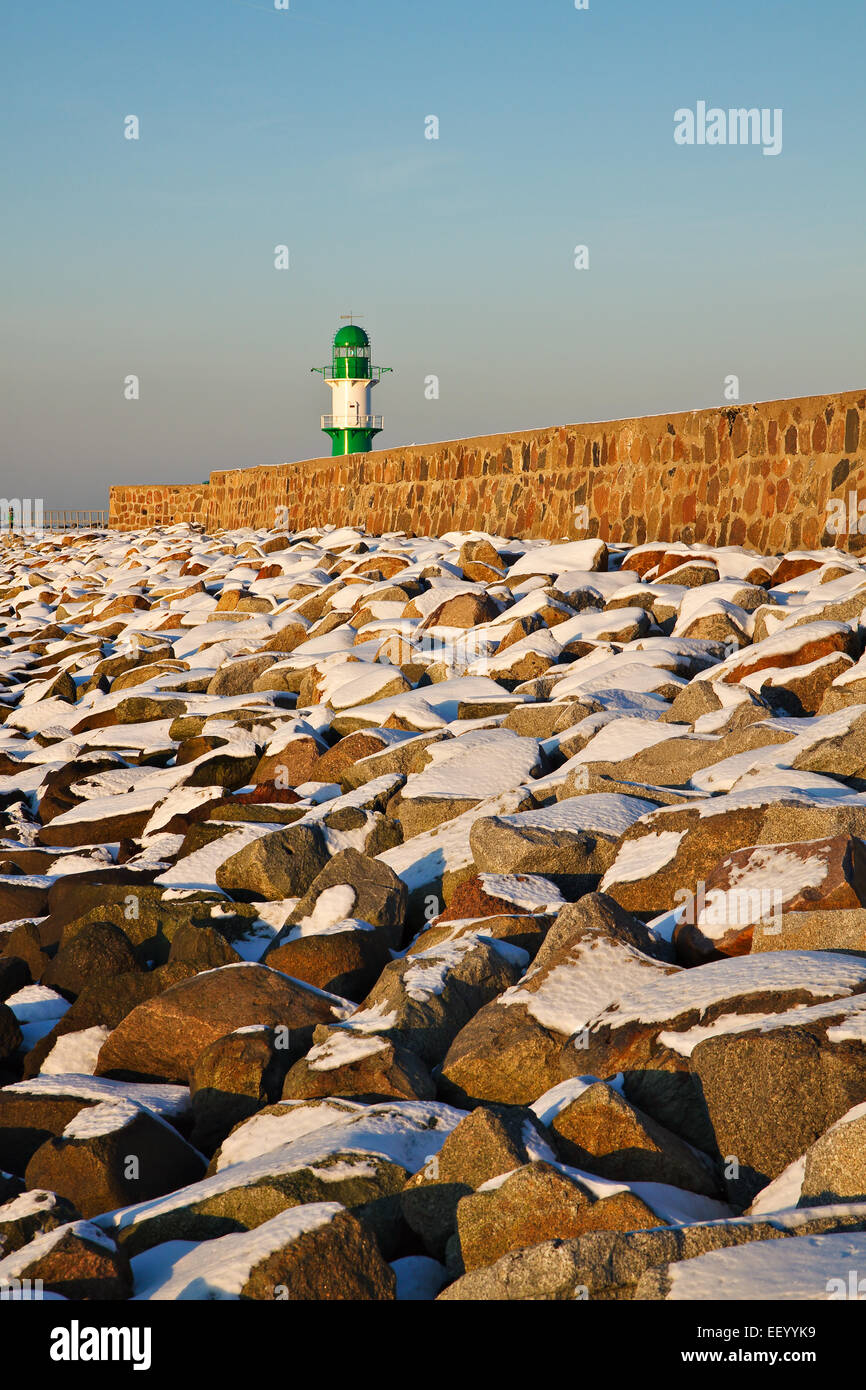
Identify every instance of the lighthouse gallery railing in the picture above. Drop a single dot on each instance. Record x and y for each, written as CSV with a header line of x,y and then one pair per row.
x,y
352,422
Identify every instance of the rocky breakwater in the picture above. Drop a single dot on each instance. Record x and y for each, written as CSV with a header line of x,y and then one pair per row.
x,y
402,918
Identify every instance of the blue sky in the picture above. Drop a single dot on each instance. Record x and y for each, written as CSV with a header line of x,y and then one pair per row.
x,y
261,127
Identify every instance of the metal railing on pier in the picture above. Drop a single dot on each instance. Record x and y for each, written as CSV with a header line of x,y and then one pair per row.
x,y
74,519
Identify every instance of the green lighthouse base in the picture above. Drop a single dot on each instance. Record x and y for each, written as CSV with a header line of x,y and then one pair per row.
x,y
350,441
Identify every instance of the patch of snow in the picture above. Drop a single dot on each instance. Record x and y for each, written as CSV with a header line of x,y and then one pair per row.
x,y
419,1279
638,858
75,1052
218,1269
784,1191
797,1268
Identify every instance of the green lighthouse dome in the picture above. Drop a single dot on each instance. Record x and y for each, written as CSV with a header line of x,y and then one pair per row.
x,y
351,352
351,335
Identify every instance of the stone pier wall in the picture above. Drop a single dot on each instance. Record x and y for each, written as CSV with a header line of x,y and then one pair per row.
x,y
759,475
156,504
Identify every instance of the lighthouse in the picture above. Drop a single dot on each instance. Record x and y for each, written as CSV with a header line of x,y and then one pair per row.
x,y
351,377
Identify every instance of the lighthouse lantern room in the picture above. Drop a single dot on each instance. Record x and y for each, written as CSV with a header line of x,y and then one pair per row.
x,y
351,377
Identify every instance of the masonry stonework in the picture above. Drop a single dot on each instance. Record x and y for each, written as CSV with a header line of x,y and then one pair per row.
x,y
757,475
156,504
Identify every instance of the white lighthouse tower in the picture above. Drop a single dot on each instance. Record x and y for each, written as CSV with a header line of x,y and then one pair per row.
x,y
351,377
